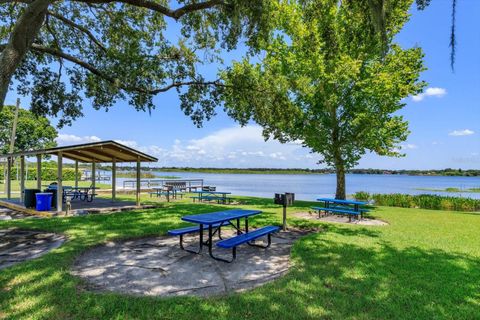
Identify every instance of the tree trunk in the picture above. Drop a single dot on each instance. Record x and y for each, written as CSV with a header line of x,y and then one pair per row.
x,y
340,171
24,33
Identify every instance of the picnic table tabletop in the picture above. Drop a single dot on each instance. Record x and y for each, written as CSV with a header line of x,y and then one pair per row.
x,y
166,189
360,203
220,216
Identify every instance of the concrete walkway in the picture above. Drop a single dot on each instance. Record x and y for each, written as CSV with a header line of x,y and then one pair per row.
x,y
158,267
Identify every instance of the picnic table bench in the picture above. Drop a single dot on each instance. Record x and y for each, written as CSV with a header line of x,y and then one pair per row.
x,y
351,208
214,221
219,196
167,192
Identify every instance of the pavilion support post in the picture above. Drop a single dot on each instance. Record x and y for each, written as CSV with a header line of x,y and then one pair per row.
x,y
138,182
94,174
39,171
114,179
59,182
9,178
76,174
22,179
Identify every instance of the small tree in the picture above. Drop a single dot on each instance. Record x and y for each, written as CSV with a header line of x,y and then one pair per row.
x,y
330,80
32,132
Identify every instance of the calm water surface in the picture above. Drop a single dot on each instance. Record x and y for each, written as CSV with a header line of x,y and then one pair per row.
x,y
311,186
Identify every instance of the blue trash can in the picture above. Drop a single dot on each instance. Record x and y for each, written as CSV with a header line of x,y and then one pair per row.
x,y
44,201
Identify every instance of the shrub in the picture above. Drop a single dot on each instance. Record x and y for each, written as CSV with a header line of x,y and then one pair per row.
x,y
362,196
426,201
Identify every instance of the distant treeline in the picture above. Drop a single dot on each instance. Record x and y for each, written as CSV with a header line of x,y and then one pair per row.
x,y
443,172
433,172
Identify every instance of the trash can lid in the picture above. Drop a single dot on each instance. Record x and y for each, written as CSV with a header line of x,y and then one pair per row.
x,y
44,193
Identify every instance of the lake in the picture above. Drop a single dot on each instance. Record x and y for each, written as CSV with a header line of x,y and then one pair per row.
x,y
312,186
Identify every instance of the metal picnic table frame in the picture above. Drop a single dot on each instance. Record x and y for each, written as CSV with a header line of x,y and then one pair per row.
x,y
78,192
343,205
221,218
356,204
218,195
169,191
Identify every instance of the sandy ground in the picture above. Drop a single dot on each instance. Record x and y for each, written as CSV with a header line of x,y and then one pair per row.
x,y
9,214
339,219
158,267
21,245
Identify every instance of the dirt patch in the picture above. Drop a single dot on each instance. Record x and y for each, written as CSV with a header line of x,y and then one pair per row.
x,y
9,214
158,267
339,219
21,245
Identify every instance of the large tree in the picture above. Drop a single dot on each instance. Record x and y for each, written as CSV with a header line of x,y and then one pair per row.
x,y
32,132
330,80
59,52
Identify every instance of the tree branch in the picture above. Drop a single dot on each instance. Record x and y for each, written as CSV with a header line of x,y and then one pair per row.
x,y
80,28
115,81
175,14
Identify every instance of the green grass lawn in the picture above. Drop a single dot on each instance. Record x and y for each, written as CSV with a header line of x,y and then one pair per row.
x,y
424,265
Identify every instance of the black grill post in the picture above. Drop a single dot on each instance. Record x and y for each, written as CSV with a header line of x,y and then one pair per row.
x,y
284,200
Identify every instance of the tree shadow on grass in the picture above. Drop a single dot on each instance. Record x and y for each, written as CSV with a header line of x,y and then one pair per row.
x,y
342,273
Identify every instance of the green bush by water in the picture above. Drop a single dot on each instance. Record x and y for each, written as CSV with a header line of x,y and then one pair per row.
x,y
423,201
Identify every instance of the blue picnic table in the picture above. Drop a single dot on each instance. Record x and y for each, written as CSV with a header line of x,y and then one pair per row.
x,y
167,192
219,196
347,207
215,221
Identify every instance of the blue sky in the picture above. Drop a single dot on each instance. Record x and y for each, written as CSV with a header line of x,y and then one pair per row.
x,y
444,121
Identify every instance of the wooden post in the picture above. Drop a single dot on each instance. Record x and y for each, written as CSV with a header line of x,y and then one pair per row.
x,y
59,182
22,179
138,182
94,174
114,179
39,171
9,178
76,174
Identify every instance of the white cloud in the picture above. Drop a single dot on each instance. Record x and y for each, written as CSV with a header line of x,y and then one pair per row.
x,y
230,147
459,133
409,146
128,143
430,92
66,139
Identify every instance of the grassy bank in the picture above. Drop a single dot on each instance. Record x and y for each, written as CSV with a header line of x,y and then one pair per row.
x,y
452,189
424,265
422,201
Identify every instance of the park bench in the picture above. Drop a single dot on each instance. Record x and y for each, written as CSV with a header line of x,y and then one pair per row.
x,y
233,242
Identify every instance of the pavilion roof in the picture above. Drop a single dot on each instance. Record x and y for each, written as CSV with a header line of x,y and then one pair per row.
x,y
99,152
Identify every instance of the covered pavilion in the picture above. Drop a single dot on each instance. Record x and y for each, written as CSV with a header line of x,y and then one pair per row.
x,y
92,153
